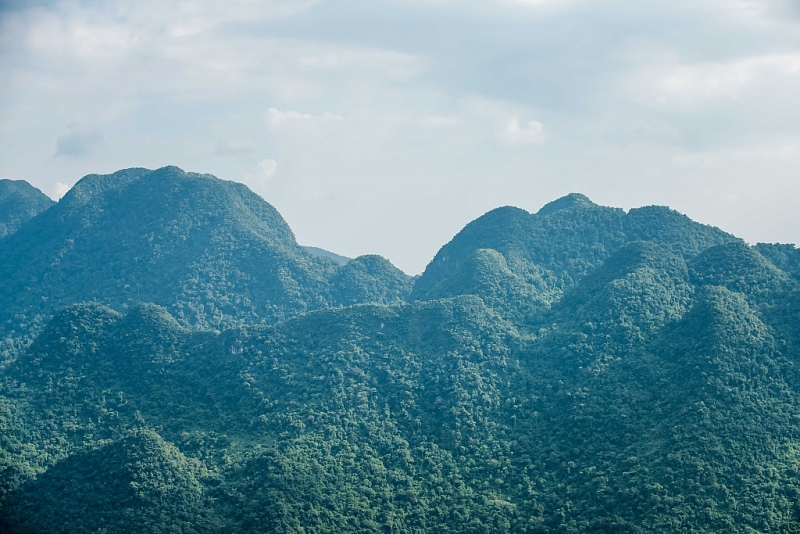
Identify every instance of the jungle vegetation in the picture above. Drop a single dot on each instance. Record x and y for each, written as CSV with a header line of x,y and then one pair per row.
x,y
579,369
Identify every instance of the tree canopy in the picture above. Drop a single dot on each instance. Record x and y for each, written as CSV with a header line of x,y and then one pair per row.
x,y
581,369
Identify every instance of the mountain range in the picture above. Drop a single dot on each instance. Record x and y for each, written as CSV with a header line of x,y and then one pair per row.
x,y
212,252
176,362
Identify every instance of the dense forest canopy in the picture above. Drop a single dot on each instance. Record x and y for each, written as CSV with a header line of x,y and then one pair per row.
x,y
176,362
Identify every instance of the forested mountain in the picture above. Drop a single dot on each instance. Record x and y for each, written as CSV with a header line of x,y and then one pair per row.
x,y
581,369
19,202
538,256
211,251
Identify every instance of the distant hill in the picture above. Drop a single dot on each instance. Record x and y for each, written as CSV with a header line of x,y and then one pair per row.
x,y
19,202
213,252
341,260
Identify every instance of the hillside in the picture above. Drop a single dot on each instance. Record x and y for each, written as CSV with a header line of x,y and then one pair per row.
x,y
647,381
19,202
211,251
534,258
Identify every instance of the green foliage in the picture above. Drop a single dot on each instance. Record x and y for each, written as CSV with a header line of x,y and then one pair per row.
x,y
739,268
546,253
784,256
601,372
19,202
137,481
212,252
370,279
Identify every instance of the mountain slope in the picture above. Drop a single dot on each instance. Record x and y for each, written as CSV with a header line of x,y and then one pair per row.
x,y
19,202
211,251
602,372
138,479
549,251
784,256
656,396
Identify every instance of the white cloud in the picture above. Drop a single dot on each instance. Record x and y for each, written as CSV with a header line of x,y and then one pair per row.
x,y
393,64
275,117
61,189
267,168
531,133
441,121
549,4
695,83
511,122
236,148
260,180
290,123
776,150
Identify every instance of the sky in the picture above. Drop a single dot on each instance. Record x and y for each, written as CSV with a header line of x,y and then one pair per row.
x,y
384,126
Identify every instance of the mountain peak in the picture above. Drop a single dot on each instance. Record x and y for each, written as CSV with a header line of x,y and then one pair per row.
x,y
566,202
19,202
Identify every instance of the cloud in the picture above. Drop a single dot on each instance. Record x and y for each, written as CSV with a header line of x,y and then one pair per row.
x,y
276,117
266,169
240,148
292,124
776,150
61,189
440,121
531,133
395,65
511,122
688,91
263,175
77,143
696,83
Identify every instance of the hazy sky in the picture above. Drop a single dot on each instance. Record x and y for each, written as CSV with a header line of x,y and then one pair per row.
x,y
386,126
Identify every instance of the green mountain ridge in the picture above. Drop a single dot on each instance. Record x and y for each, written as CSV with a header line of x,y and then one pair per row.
x,y
19,203
580,369
547,252
214,253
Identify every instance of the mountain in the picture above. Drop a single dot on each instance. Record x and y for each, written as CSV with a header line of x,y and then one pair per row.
x,y
656,396
19,202
539,256
214,253
580,369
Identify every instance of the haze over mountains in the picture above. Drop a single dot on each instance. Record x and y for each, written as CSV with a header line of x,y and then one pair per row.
x,y
177,362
